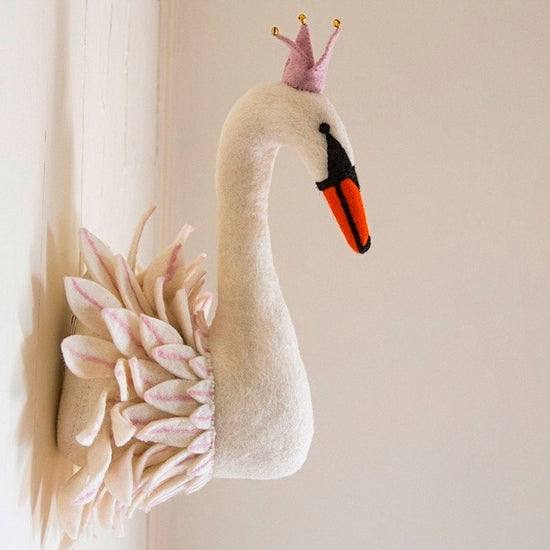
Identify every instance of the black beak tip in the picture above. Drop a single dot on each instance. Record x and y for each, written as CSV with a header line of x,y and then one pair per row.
x,y
365,247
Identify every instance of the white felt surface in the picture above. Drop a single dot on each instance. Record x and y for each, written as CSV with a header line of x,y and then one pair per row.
x,y
262,388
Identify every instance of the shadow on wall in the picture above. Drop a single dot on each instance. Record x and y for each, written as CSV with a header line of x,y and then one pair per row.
x,y
54,254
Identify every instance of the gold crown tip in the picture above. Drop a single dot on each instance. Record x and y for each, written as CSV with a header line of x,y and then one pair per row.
x,y
337,23
302,18
274,31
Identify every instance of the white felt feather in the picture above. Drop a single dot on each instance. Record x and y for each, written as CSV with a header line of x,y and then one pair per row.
x,y
167,264
175,359
142,414
87,299
124,327
133,296
124,380
171,396
69,514
175,432
146,374
89,357
99,260
203,417
122,426
196,483
202,443
119,479
155,332
183,315
87,436
200,366
154,455
203,391
158,293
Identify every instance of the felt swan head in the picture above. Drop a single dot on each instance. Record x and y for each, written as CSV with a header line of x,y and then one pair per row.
x,y
331,161
297,113
272,115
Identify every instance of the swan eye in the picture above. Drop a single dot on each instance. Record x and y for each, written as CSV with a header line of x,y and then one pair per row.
x,y
324,128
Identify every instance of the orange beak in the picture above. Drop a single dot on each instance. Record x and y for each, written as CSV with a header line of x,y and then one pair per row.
x,y
341,190
346,204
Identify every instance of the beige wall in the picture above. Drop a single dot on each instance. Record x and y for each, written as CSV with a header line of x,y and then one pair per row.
x,y
427,357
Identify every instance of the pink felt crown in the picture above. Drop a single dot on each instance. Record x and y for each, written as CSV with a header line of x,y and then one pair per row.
x,y
301,71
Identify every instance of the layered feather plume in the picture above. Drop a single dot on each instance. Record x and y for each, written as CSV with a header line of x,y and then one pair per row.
x,y
143,337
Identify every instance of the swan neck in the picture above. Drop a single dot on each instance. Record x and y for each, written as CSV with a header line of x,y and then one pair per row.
x,y
244,245
264,420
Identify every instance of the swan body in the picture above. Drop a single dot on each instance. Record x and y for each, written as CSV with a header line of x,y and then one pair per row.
x,y
158,400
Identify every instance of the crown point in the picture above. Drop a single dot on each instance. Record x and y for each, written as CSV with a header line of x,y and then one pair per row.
x,y
274,31
302,18
337,23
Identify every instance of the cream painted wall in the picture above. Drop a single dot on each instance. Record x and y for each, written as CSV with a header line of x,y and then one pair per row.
x,y
428,357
